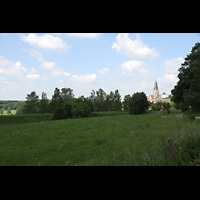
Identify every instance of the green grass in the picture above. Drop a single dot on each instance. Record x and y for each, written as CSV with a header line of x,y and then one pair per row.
x,y
106,140
18,119
13,112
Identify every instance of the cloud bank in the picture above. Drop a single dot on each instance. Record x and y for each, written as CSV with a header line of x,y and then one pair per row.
x,y
134,49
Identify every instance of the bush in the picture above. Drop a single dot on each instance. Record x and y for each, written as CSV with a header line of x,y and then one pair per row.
x,y
75,109
68,111
79,108
59,113
138,103
63,112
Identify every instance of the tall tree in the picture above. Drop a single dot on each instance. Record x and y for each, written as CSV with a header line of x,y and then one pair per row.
x,y
187,91
44,104
60,103
31,104
56,100
100,100
66,95
125,102
110,101
117,105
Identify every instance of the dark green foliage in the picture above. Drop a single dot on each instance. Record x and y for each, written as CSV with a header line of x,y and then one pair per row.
x,y
61,98
31,104
186,93
68,111
56,100
88,101
63,112
125,102
106,102
64,105
158,106
138,103
59,113
100,100
79,108
43,104
14,105
66,95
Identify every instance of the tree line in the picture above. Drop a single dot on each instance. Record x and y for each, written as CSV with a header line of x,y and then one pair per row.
x,y
13,105
64,105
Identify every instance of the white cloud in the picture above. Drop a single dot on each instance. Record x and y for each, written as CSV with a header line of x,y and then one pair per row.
x,y
9,68
66,74
48,65
31,76
133,67
88,78
15,80
166,83
84,35
36,54
47,41
168,78
172,65
104,71
134,49
55,71
59,72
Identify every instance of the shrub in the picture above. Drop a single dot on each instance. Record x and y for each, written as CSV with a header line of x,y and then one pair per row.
x,y
79,108
68,111
138,103
59,113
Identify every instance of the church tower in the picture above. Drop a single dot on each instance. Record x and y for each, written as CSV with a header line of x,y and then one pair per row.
x,y
156,91
155,97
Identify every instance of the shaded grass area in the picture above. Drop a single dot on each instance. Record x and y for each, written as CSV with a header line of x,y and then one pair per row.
x,y
29,118
107,140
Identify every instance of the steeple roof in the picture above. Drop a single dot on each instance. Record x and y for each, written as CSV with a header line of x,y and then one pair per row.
x,y
155,85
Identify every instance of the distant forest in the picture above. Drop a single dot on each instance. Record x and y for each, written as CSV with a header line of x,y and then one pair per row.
x,y
13,105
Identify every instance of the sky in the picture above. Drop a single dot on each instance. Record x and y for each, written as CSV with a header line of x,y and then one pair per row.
x,y
129,62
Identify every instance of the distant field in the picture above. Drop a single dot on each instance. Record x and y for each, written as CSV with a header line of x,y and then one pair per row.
x,y
13,112
106,140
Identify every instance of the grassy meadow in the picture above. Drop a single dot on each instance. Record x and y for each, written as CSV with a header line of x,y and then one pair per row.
x,y
13,112
108,140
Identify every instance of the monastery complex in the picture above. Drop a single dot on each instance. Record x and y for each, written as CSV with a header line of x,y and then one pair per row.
x,y
155,97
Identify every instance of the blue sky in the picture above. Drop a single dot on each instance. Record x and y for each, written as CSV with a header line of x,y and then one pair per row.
x,y
129,62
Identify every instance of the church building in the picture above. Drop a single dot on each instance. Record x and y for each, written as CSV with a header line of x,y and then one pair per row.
x,y
156,96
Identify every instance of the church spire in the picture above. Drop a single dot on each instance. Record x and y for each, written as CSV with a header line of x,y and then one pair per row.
x,y
155,85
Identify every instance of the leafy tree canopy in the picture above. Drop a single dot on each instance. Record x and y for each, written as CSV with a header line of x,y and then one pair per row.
x,y
186,93
138,103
